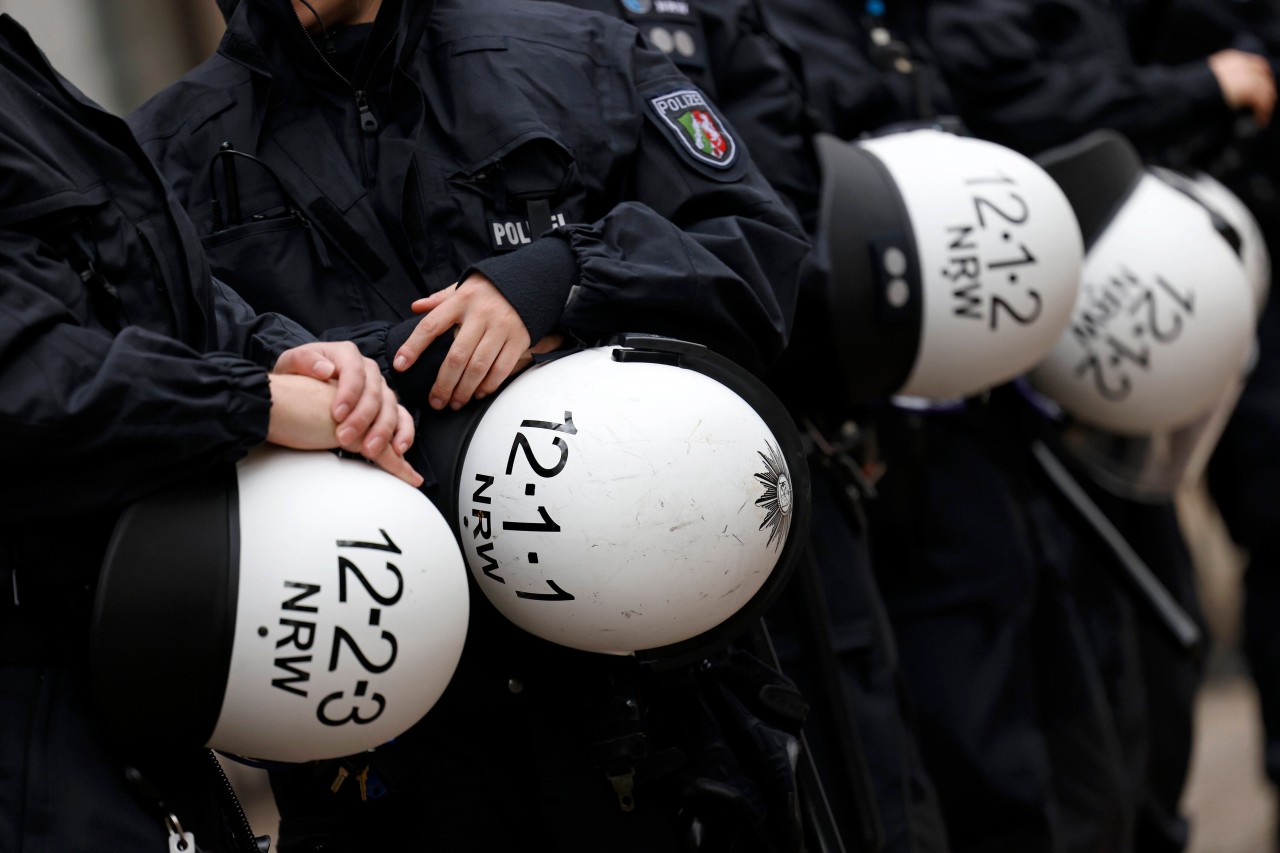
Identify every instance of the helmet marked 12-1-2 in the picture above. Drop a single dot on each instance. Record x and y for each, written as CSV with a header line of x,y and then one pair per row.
x,y
299,607
953,262
647,497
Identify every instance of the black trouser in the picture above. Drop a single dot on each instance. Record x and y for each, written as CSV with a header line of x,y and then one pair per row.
x,y
518,752
866,692
978,570
63,784
63,787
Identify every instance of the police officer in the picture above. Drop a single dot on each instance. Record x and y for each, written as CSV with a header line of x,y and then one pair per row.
x,y
830,630
124,368
518,173
972,552
1241,473
1036,75
1007,62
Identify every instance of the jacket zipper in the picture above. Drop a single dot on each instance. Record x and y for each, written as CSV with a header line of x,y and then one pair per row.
x,y
368,121
242,830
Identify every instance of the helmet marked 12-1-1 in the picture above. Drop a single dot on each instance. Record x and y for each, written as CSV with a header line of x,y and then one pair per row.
x,y
953,262
300,606
1166,312
648,497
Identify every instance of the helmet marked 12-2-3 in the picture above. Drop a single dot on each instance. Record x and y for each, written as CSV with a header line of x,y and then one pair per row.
x,y
301,606
647,497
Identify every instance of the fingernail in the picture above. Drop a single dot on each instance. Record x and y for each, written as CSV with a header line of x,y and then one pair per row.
x,y
437,403
340,414
373,447
400,363
480,395
455,406
346,434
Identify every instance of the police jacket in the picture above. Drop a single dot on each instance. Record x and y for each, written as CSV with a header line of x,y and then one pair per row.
x,y
866,65
557,155
723,47
1032,75
123,365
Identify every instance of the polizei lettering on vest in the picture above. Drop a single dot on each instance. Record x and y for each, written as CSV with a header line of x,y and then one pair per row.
x,y
512,233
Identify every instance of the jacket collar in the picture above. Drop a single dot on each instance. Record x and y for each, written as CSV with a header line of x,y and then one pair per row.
x,y
267,37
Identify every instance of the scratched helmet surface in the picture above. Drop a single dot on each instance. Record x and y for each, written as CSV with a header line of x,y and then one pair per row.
x,y
301,606
648,497
953,262
1165,317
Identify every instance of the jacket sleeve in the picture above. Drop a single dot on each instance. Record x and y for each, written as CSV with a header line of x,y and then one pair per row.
x,y
92,420
758,84
1035,75
696,251
259,337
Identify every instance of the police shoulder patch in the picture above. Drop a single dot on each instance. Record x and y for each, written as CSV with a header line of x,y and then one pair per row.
x,y
700,131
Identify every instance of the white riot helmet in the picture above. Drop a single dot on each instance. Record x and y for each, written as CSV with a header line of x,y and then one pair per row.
x,y
1158,345
1234,221
1165,316
646,498
299,607
954,262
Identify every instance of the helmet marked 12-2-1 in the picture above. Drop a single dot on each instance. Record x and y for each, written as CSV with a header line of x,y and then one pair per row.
x,y
648,497
301,606
953,262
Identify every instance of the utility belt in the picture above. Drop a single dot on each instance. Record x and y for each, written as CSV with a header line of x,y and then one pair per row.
x,y
847,449
708,744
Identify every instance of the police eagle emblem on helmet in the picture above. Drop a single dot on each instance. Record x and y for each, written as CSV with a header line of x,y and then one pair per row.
x,y
777,497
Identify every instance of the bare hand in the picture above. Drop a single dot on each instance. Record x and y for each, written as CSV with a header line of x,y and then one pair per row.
x,y
1246,82
550,343
364,407
487,347
302,418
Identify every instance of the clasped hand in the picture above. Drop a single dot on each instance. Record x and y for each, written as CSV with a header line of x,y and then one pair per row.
x,y
326,395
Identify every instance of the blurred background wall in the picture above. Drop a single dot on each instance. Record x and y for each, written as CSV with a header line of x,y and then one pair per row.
x,y
119,52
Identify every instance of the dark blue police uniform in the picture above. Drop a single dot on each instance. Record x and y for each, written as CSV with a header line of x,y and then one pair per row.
x,y
1036,75
123,368
455,139
830,628
973,553
1246,462
546,152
